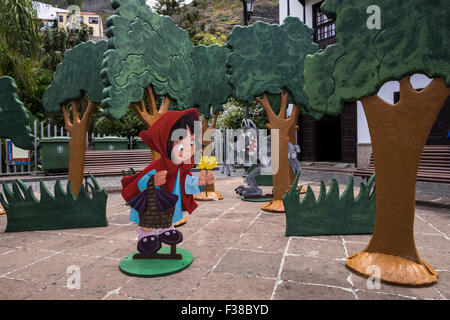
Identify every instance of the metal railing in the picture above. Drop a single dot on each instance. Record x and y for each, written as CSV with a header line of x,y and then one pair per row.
x,y
43,130
11,168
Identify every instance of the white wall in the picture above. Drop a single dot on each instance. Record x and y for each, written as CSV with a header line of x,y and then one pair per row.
x,y
45,11
309,12
296,9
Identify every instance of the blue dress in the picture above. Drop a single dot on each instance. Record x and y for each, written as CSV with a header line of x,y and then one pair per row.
x,y
190,187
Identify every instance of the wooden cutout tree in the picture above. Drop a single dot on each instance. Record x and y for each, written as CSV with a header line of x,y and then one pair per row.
x,y
412,39
14,117
265,60
77,77
211,91
149,58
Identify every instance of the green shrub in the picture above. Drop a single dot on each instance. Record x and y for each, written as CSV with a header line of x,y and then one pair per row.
x,y
234,113
59,211
330,213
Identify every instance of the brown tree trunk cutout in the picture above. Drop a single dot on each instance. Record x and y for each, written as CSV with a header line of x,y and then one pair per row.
x,y
293,140
149,118
77,145
281,179
398,133
212,193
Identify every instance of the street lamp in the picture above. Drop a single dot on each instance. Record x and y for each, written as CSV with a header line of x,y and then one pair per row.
x,y
248,10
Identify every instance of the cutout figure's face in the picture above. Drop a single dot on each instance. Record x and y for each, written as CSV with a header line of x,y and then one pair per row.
x,y
183,148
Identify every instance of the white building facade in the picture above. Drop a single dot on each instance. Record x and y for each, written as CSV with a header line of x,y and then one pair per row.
x,y
46,13
356,140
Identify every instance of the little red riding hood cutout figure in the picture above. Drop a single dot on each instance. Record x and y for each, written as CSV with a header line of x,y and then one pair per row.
x,y
172,136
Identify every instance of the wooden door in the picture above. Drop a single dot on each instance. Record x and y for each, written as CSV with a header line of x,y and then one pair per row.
x,y
306,138
438,134
349,133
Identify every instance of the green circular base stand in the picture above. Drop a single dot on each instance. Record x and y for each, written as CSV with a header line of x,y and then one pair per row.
x,y
257,199
149,268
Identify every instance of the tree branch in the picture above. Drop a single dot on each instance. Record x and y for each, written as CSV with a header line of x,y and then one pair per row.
x,y
375,102
266,105
405,86
214,125
90,109
65,112
142,107
164,105
151,100
292,120
83,107
435,84
75,113
142,114
204,125
283,103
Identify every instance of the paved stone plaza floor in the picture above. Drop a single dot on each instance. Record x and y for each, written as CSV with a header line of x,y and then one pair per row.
x,y
240,252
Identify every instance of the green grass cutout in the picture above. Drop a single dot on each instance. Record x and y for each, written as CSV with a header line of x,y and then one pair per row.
x,y
330,213
59,211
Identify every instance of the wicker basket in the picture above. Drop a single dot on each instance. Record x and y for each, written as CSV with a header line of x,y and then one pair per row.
x,y
153,217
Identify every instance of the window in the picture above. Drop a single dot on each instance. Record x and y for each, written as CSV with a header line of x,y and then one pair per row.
x,y
80,19
324,28
61,18
93,20
91,31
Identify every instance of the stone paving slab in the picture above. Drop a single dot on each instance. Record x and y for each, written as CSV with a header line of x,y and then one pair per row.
x,y
240,252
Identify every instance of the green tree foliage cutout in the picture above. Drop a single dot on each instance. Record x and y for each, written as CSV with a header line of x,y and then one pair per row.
x,y
14,117
149,54
412,38
211,91
378,55
211,86
77,85
267,60
77,75
264,59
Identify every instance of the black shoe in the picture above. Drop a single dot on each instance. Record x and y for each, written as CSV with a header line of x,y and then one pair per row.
x,y
171,237
149,245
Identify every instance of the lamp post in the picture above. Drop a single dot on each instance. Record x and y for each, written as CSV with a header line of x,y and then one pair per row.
x,y
248,10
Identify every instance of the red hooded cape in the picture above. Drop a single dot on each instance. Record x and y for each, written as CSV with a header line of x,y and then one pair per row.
x,y
156,138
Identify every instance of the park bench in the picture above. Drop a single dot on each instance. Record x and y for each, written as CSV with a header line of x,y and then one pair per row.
x,y
115,162
434,165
